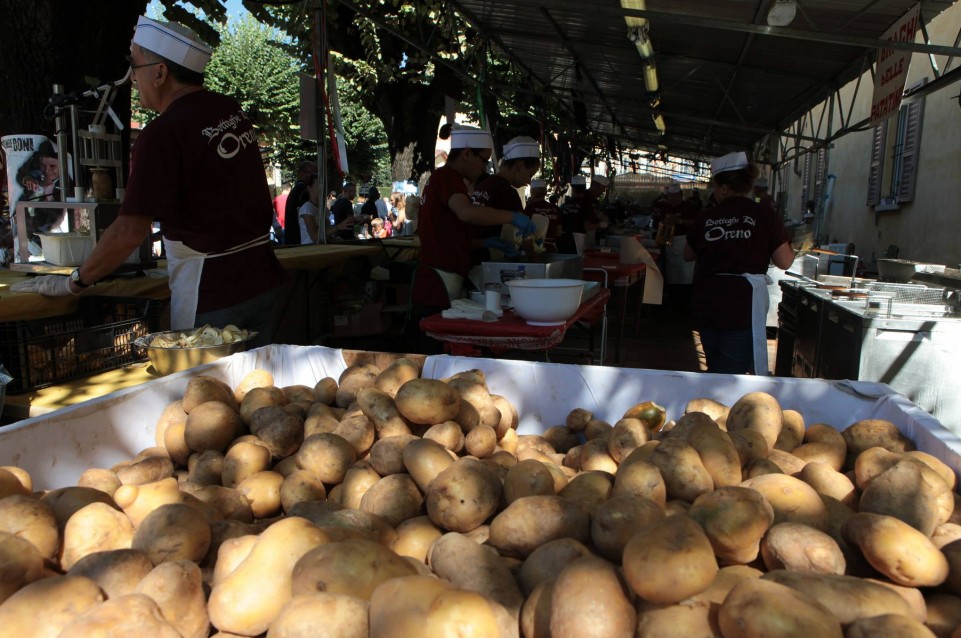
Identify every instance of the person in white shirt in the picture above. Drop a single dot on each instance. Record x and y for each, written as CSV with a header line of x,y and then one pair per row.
x,y
309,213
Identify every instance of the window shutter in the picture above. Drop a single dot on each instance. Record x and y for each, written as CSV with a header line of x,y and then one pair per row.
x,y
876,169
910,148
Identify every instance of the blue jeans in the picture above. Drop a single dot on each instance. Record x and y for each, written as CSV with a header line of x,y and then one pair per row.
x,y
728,351
255,314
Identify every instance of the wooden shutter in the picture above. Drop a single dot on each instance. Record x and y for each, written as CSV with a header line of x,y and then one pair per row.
x,y
876,169
910,148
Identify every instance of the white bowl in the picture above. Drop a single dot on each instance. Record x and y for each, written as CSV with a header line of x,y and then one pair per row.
x,y
546,302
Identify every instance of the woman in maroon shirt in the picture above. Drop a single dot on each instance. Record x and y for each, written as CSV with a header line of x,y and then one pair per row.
x,y
733,244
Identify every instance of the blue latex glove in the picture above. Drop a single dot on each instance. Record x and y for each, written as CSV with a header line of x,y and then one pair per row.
x,y
496,243
524,223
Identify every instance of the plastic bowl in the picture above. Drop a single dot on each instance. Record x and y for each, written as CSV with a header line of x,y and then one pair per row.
x,y
897,270
546,302
169,360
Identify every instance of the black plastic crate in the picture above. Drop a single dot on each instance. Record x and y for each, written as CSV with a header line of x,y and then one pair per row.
x,y
99,336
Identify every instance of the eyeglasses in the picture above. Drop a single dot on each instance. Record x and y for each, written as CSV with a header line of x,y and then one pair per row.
x,y
134,67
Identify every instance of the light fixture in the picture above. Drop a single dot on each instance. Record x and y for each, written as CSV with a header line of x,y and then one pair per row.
x,y
650,77
782,13
659,123
639,36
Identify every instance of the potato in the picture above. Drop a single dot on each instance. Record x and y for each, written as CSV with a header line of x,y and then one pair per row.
x,y
578,419
528,478
116,572
66,501
395,498
251,380
750,445
787,462
126,615
821,452
757,411
387,454
408,607
20,564
869,433
508,442
640,479
319,421
734,519
547,561
669,560
531,521
792,431
760,467
650,413
627,435
468,565
229,503
396,374
262,489
536,612
171,533
481,442
428,401
327,456
211,426
758,608
848,598
561,438
688,619
447,434
358,430
887,625
827,481
249,598
872,463
354,379
414,537
717,454
462,496
172,414
380,408
325,391
353,567
604,608
509,417
727,577
910,491
202,388
32,520
799,548
617,519
793,500
897,550
943,614
476,406
685,476
177,588
279,431
424,460
97,527
597,429
588,489
242,460
259,398
710,407
301,485
206,468
343,617
58,600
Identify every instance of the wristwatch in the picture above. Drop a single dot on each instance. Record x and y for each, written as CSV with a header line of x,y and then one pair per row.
x,y
75,278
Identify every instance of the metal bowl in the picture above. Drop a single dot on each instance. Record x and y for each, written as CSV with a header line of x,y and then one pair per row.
x,y
169,360
897,270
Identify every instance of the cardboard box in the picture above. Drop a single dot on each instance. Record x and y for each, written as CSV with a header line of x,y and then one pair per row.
x,y
370,320
56,448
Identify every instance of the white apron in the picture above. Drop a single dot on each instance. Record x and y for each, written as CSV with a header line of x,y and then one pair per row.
x,y
184,267
677,270
760,299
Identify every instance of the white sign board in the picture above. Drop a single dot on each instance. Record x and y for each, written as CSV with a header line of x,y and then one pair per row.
x,y
892,69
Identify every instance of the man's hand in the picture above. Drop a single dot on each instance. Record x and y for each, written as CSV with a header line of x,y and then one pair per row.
x,y
48,286
495,243
524,223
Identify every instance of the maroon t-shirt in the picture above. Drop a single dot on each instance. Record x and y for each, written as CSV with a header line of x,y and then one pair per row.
x,y
549,210
197,170
735,237
494,191
685,210
445,241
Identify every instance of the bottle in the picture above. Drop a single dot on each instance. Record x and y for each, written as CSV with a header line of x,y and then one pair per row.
x,y
522,272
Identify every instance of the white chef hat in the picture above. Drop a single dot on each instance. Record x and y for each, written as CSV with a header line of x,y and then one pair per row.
x,y
600,179
761,182
470,137
578,180
188,52
673,187
538,183
522,147
730,162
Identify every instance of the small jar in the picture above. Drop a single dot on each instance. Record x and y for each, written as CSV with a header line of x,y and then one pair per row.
x,y
102,184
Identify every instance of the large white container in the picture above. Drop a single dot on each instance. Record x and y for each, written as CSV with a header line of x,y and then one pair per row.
x,y
66,249
56,448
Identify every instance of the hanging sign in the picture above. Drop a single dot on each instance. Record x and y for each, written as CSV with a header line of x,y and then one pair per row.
x,y
892,68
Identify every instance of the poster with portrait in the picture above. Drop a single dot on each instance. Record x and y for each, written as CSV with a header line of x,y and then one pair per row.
x,y
33,174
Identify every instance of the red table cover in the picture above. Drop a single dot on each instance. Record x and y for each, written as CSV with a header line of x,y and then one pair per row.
x,y
618,275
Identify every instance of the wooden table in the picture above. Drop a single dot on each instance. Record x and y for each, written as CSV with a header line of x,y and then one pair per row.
x,y
467,337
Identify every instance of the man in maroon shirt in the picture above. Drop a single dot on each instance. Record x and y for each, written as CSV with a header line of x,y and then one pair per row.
x,y
538,205
445,220
197,169
520,160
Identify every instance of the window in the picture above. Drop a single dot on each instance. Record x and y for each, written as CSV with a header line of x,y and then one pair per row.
x,y
894,156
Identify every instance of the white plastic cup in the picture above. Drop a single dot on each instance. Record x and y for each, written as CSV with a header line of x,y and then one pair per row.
x,y
492,300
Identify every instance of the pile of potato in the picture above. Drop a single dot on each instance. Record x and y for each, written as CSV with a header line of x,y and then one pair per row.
x,y
388,505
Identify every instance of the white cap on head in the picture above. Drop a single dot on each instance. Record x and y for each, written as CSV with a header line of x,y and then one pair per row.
x,y
673,187
181,49
578,180
730,162
470,137
522,148
760,182
538,183
600,179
